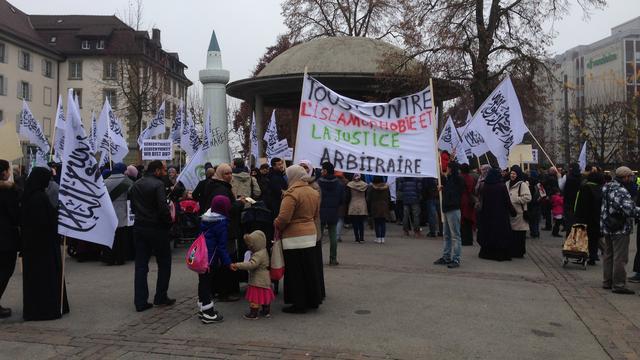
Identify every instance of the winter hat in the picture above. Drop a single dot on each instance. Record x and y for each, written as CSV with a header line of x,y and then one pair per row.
x,y
119,168
221,205
623,171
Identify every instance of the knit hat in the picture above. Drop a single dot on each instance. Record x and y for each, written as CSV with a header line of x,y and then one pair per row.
x,y
119,168
623,171
221,205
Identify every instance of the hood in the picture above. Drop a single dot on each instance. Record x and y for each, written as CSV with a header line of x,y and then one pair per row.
x,y
6,184
256,241
211,217
380,186
242,177
358,185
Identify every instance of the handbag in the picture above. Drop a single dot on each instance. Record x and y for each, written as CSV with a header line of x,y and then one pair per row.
x,y
276,270
525,213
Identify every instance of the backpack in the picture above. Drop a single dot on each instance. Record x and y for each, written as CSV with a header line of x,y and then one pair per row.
x,y
198,256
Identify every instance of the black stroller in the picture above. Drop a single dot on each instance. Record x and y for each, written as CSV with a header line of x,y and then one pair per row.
x,y
187,225
258,217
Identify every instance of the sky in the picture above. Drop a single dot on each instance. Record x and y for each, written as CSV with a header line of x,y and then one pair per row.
x,y
245,28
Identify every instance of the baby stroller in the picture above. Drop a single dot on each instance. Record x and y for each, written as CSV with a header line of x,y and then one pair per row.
x,y
257,217
187,225
576,247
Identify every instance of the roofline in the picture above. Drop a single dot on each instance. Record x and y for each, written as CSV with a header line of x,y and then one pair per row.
x,y
8,35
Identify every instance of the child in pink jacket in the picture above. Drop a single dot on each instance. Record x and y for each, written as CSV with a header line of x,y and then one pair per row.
x,y
557,209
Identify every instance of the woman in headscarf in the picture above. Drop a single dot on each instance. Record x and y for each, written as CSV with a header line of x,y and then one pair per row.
x,y
42,261
520,197
357,208
226,283
494,226
10,225
296,222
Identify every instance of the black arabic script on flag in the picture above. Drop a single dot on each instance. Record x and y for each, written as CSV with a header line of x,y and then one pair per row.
x,y
496,116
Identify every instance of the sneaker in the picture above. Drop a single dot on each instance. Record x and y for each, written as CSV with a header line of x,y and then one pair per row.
x,y
453,265
265,311
165,302
634,279
623,291
442,261
211,316
381,240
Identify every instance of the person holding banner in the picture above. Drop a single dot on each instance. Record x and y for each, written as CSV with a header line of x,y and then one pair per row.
x,y
10,225
296,222
41,255
452,189
151,235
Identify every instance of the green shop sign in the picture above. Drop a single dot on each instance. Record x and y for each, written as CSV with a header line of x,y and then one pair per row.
x,y
602,60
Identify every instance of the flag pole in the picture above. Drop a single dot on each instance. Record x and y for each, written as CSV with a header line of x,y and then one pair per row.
x,y
435,147
541,148
64,253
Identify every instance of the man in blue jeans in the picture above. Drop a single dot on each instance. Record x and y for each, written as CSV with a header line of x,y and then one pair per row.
x,y
452,188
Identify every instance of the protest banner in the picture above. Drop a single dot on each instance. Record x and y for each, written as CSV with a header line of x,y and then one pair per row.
x,y
155,127
58,134
582,159
30,129
473,140
390,139
534,157
194,171
520,154
450,141
157,149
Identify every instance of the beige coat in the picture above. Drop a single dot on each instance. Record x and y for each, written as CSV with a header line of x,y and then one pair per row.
x,y
258,265
242,184
358,202
299,210
518,223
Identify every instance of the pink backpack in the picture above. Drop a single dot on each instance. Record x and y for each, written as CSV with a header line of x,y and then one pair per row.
x,y
198,256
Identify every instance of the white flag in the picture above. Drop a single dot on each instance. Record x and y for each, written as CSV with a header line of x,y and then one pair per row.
x,y
582,159
207,136
30,129
58,144
472,139
189,140
271,137
85,210
176,134
155,126
254,140
93,133
450,141
191,175
500,122
110,139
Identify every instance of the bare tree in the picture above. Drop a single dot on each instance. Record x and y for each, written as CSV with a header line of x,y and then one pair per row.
x,y
308,19
133,14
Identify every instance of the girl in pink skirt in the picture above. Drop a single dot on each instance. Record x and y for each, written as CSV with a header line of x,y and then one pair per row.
x,y
259,292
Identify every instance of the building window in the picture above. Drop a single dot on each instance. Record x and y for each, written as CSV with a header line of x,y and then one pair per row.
x,y
85,45
24,61
24,90
75,70
46,127
78,93
46,96
1,116
110,70
3,53
100,44
3,85
111,95
47,68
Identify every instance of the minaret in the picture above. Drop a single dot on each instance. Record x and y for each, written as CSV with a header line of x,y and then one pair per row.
x,y
214,80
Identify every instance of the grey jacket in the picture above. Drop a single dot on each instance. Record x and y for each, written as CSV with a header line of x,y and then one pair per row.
x,y
120,203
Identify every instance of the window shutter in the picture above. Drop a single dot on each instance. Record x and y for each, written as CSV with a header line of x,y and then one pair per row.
x,y
30,63
44,67
19,90
5,86
30,92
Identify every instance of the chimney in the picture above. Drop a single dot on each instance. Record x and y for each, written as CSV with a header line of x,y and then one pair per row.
x,y
155,36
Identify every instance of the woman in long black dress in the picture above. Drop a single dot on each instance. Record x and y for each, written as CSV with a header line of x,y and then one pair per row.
x,y
42,261
494,226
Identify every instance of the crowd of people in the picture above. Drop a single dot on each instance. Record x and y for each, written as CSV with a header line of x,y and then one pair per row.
x,y
242,211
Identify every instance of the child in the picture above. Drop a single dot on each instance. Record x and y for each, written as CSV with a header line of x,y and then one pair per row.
x,y
214,226
259,292
557,209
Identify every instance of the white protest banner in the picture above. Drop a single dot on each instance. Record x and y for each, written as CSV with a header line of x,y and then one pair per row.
x,y
155,126
131,217
472,139
534,157
111,141
85,210
450,141
499,120
278,150
288,155
93,133
395,138
189,140
271,137
176,134
582,159
157,150
58,145
206,131
30,129
254,139
191,175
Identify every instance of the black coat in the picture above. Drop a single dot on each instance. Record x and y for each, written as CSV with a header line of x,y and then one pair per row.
x,y
9,217
42,261
276,185
332,196
453,187
571,188
494,225
149,203
588,205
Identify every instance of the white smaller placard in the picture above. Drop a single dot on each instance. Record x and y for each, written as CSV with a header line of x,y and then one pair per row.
x,y
157,149
130,216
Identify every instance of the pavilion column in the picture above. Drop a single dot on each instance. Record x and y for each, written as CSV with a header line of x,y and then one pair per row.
x,y
258,109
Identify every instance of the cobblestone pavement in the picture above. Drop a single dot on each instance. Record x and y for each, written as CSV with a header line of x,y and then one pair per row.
x,y
151,336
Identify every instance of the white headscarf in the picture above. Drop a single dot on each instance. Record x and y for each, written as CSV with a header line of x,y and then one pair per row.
x,y
309,166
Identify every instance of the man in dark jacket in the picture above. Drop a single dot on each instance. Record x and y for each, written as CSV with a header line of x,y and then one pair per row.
x,y
277,184
410,189
452,188
151,235
332,194
198,193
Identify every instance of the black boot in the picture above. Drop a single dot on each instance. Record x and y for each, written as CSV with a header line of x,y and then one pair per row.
x,y
266,311
252,314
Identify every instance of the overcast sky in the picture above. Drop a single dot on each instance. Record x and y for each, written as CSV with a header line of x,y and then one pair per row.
x,y
246,27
